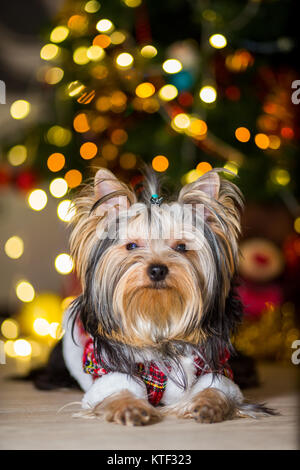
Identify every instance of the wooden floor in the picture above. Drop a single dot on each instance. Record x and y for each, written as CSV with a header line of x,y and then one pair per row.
x,y
29,419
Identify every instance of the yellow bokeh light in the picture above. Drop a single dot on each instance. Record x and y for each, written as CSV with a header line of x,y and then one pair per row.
x,y
242,134
181,121
59,136
92,6
14,247
22,348
17,155
124,60
63,263
9,348
55,330
132,3
218,41
59,34
117,37
232,166
297,225
148,51
66,302
54,75
25,291
190,177
168,92
160,163
280,176
58,187
41,326
172,66
49,51
208,94
262,141
20,109
95,53
66,210
145,90
37,199
104,26
80,55
10,329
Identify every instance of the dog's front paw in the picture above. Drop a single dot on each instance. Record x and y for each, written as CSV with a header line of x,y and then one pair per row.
x,y
210,406
124,408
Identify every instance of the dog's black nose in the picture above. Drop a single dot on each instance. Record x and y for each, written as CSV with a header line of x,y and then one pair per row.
x,y
157,272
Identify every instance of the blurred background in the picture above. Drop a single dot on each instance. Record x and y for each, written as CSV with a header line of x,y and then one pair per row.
x,y
184,85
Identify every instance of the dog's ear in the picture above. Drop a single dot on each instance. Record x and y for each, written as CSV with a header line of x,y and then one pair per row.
x,y
208,185
110,192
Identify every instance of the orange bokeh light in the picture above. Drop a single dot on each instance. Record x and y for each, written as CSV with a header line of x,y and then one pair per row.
x,y
203,167
88,150
242,134
102,40
287,133
119,136
56,162
262,141
73,178
80,123
160,163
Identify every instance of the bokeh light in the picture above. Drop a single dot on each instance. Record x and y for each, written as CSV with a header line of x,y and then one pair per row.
x,y
63,263
232,167
148,51
37,199
102,40
58,187
25,291
59,34
81,123
104,26
280,176
181,121
14,247
297,225
242,134
160,163
56,162
88,150
17,155
92,6
95,53
203,167
20,109
119,136
49,51
262,141
54,75
124,60
22,348
218,41
127,160
66,210
80,55
208,94
168,92
172,66
59,136
117,37
10,329
73,178
145,90
132,3
41,326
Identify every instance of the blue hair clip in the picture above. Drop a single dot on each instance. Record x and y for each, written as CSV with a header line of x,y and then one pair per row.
x,y
155,199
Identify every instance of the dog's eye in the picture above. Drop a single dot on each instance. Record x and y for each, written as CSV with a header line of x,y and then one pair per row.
x,y
131,246
181,247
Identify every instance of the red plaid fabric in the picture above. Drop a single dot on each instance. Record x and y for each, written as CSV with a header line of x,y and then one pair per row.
x,y
154,379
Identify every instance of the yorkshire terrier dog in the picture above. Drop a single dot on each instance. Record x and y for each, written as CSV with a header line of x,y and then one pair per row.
x,y
158,307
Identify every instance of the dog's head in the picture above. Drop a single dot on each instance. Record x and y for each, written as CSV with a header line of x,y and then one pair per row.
x,y
155,272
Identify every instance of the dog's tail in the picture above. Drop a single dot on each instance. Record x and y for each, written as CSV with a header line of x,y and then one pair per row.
x,y
253,410
54,374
